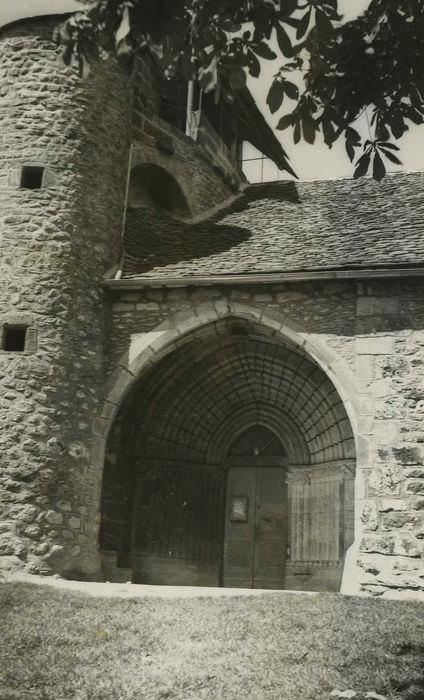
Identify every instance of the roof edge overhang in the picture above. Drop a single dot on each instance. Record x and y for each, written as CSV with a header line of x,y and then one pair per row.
x,y
255,129
261,278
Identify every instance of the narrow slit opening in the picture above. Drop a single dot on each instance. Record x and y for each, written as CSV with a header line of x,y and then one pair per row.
x,y
32,177
14,338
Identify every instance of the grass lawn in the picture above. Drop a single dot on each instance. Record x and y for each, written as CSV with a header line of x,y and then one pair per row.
x,y
59,644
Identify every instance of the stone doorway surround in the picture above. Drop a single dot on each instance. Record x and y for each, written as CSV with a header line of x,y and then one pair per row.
x,y
150,348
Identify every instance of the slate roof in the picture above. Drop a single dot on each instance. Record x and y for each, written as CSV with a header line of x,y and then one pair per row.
x,y
287,227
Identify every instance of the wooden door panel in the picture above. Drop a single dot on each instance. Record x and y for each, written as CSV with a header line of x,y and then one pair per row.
x,y
239,534
268,556
269,523
240,557
177,526
270,528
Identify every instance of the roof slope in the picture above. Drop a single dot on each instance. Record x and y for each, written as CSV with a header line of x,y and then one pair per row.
x,y
287,227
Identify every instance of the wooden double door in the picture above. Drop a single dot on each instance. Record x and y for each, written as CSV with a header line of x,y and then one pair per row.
x,y
210,527
255,528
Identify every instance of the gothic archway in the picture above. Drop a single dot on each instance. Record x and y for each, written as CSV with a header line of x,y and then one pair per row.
x,y
165,496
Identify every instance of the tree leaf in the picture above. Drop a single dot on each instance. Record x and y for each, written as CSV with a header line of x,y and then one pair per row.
x,y
275,96
291,90
386,77
362,165
382,131
415,116
391,156
329,132
297,133
324,25
352,140
285,122
353,136
378,167
253,65
308,128
303,25
350,150
387,144
264,51
287,7
311,104
397,125
284,42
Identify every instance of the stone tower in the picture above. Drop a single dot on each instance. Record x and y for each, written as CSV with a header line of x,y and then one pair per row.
x,y
74,153
64,156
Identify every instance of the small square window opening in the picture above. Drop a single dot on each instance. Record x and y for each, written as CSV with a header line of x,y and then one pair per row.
x,y
32,177
14,338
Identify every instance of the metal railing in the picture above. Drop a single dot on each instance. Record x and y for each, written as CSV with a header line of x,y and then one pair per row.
x,y
261,173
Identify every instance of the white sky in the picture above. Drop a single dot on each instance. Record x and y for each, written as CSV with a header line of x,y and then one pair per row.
x,y
318,162
309,162
11,10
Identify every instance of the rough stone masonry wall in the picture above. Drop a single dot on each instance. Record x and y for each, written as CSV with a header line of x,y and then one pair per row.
x,y
56,243
377,330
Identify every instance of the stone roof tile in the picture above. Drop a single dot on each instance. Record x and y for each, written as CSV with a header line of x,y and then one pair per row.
x,y
286,227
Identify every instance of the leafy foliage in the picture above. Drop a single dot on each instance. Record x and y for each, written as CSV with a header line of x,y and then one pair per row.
x,y
372,64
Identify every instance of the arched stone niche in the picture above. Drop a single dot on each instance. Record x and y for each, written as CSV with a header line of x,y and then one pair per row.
x,y
169,462
154,187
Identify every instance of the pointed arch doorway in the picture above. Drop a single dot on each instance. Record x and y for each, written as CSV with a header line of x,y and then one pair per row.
x,y
230,444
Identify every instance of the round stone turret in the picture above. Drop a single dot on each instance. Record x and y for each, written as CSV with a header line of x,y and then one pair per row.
x,y
64,146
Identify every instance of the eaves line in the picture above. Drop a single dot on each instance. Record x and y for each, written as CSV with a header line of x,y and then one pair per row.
x,y
260,278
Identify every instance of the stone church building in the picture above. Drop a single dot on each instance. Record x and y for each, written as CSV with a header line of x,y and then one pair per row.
x,y
202,382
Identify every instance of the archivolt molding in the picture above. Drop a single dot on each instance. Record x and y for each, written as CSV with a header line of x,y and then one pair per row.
x,y
287,433
147,349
